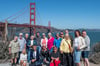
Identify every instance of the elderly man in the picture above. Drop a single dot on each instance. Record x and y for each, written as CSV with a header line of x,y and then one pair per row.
x,y
14,49
27,40
22,43
38,39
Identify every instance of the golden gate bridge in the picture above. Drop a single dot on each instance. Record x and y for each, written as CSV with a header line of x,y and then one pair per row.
x,y
31,24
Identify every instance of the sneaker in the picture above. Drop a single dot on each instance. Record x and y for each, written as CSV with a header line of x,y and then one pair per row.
x,y
12,64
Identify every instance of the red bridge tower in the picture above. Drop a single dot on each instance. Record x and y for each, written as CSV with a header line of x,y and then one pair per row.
x,y
32,17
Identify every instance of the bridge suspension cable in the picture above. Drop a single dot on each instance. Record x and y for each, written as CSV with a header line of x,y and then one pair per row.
x,y
16,13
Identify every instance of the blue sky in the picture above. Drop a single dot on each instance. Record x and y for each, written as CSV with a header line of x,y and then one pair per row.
x,y
63,14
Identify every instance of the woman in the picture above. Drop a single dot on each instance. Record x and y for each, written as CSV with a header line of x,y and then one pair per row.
x,y
44,40
77,48
57,41
55,57
66,50
34,57
23,58
50,42
45,56
30,44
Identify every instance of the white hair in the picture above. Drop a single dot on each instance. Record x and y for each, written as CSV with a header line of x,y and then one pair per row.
x,y
49,34
20,33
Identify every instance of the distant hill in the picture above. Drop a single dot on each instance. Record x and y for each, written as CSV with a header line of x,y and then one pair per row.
x,y
27,30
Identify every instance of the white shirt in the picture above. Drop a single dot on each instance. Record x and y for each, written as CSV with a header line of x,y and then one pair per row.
x,y
78,41
46,41
23,57
34,54
31,42
22,43
87,42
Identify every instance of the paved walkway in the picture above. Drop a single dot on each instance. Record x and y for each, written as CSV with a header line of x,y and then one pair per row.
x,y
8,64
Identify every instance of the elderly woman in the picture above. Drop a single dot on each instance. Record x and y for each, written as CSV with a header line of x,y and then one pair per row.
x,y
66,50
30,44
44,40
50,41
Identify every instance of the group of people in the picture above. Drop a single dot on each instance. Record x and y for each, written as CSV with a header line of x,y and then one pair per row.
x,y
62,50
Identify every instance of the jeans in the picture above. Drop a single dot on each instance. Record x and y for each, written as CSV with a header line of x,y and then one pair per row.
x,y
28,55
39,48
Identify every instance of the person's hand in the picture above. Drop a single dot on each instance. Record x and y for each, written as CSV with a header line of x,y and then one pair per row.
x,y
72,50
51,61
52,58
78,47
57,59
30,45
45,60
33,60
61,52
9,53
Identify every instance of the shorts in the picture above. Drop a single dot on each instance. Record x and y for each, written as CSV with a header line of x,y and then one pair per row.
x,y
85,54
23,61
77,56
14,55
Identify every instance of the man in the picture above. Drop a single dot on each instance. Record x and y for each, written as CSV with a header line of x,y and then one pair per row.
x,y
61,54
85,52
22,43
38,39
14,49
34,56
55,57
61,35
27,40
27,47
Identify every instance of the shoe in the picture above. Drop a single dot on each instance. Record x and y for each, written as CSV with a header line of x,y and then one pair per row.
x,y
12,64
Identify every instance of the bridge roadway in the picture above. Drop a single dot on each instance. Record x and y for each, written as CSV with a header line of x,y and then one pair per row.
x,y
22,25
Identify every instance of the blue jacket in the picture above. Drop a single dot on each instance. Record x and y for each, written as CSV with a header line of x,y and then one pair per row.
x,y
57,42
